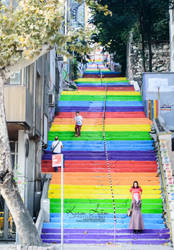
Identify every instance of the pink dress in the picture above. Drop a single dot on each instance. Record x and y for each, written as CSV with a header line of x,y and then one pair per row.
x,y
136,191
136,220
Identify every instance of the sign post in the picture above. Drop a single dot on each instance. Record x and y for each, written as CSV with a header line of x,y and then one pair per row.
x,y
57,161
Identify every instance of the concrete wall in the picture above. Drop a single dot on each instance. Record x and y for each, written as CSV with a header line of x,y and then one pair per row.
x,y
15,100
28,169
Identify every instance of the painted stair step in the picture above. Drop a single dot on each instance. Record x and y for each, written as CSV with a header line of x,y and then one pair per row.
x,y
93,204
97,170
93,182
138,114
96,104
120,85
104,80
109,143
106,236
117,93
100,109
104,170
115,181
76,209
100,190
101,148
106,231
111,215
90,146
137,164
110,88
76,219
149,169
104,210
125,201
99,98
102,157
91,136
98,225
104,176
107,206
99,121
141,242
112,155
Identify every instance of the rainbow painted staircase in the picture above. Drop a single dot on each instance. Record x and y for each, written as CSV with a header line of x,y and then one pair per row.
x,y
101,165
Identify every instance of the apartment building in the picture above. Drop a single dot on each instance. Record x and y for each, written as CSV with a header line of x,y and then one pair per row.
x,y
30,101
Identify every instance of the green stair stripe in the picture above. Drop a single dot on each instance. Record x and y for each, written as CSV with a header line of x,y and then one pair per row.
x,y
144,201
95,135
99,98
104,210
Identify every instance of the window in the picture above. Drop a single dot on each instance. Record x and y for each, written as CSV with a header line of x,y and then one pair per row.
x,y
14,153
15,79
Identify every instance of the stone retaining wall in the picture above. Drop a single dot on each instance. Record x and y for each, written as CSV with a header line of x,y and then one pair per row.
x,y
160,61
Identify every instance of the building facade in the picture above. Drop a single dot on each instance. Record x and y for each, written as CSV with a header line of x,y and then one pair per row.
x,y
30,101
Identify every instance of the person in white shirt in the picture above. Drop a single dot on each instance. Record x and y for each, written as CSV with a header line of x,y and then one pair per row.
x,y
79,120
56,148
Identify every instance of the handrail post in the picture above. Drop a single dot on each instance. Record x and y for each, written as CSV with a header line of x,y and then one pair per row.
x,y
62,203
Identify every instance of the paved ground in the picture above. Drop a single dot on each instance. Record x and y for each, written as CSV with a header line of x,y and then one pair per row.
x,y
113,247
86,247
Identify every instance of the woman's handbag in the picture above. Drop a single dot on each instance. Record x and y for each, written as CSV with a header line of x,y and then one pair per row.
x,y
129,212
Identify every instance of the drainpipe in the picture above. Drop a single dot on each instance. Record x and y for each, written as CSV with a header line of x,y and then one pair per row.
x,y
42,96
34,100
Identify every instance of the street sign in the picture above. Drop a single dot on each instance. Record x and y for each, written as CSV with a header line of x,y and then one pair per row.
x,y
57,160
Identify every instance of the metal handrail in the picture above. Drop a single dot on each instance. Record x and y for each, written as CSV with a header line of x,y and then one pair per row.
x,y
164,189
107,158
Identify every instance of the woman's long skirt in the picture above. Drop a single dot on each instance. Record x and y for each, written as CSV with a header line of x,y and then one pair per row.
x,y
136,220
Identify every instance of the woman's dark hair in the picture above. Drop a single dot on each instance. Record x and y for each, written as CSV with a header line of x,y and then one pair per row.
x,y
134,183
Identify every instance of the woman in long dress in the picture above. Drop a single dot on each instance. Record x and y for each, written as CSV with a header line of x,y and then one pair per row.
x,y
136,220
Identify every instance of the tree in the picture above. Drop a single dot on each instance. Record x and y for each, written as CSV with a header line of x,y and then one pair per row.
x,y
153,24
113,29
27,31
147,17
79,48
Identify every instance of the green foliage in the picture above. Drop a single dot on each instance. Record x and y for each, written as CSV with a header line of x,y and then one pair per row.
x,y
148,18
33,24
25,29
74,69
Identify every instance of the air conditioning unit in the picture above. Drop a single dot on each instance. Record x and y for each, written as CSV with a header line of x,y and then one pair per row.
x,y
51,100
60,58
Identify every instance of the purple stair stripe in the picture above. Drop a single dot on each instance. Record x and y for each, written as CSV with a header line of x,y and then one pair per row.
x,y
142,242
105,236
113,155
117,158
108,85
100,109
96,231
